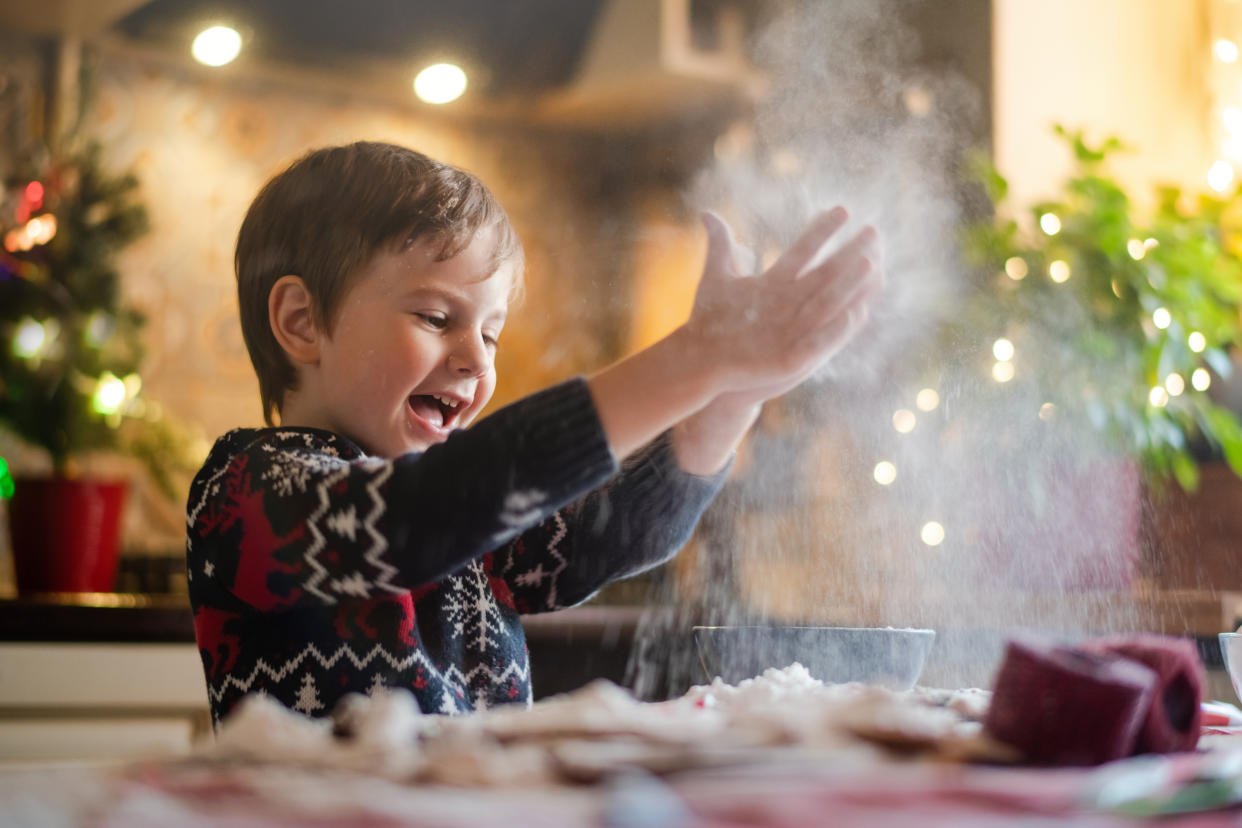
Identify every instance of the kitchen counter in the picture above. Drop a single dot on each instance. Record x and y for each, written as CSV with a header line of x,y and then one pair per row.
x,y
599,638
87,617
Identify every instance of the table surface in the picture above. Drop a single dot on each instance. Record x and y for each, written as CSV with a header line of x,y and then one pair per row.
x,y
197,793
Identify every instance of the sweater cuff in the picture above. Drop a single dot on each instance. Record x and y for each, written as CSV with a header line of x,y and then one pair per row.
x,y
563,426
654,475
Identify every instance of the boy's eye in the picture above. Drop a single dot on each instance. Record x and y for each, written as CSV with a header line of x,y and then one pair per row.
x,y
434,320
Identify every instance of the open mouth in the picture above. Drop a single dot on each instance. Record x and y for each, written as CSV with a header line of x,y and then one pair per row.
x,y
437,411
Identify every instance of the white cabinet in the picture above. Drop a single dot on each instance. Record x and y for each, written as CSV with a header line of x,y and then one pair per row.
x,y
99,701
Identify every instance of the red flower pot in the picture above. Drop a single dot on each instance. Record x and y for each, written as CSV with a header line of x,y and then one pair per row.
x,y
65,533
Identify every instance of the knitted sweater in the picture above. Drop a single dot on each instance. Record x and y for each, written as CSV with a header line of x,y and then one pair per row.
x,y
316,571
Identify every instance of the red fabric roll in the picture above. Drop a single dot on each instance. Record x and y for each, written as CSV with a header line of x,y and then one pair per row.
x,y
1066,706
1174,716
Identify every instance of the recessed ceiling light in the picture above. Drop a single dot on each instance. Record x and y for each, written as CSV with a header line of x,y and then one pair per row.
x,y
216,46
440,83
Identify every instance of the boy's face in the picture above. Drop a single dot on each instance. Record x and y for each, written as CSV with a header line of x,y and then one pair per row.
x,y
411,353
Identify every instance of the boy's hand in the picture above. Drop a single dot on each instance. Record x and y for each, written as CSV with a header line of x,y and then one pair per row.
x,y
767,333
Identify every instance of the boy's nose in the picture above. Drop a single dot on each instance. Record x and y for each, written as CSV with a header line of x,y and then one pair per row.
x,y
471,357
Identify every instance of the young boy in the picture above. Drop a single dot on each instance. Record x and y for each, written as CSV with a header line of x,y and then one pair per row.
x,y
370,539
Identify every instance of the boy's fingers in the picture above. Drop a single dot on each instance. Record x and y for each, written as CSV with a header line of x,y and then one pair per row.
x,y
720,246
745,262
842,327
802,252
837,281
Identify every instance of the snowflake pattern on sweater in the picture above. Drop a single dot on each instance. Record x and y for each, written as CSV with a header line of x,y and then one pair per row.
x,y
317,571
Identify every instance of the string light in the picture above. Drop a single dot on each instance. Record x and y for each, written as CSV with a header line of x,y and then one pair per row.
x,y
1174,384
1226,51
1050,224
1002,349
109,394
1200,380
1158,397
1161,318
1220,176
932,533
1196,341
30,340
884,473
1002,371
1059,271
1016,268
927,399
904,420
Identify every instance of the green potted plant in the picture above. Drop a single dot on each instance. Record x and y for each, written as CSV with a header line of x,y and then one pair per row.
x,y
1076,381
69,381
1128,313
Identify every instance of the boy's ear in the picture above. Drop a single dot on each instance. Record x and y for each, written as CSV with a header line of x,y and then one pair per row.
x,y
290,312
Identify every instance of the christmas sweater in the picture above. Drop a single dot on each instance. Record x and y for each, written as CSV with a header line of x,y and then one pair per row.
x,y
316,571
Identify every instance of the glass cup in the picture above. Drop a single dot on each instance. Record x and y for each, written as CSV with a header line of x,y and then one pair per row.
x,y
1231,652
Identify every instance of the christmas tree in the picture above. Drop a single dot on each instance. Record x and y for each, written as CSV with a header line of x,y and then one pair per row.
x,y
69,380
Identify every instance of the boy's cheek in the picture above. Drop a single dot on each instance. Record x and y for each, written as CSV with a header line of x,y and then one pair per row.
x,y
482,396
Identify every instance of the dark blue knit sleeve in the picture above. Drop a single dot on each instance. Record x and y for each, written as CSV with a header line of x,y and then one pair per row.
x,y
289,518
639,519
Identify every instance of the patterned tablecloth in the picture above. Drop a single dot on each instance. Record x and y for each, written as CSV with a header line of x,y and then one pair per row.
x,y
778,792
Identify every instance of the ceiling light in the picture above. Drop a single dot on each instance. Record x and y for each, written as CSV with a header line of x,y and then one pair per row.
x,y
440,83
216,46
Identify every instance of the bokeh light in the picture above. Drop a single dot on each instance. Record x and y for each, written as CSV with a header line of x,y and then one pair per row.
x,y
1201,380
1016,268
1059,271
109,394
30,339
216,46
1196,341
932,533
884,473
1174,384
1002,349
1161,318
440,83
904,420
1220,176
927,399
1003,371
1050,223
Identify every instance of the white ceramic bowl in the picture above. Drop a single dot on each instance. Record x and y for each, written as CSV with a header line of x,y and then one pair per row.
x,y
1231,651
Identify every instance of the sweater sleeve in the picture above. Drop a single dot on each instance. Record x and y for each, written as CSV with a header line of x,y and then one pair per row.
x,y
639,519
282,521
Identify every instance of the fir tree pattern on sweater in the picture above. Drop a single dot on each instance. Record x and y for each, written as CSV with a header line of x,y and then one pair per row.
x,y
317,571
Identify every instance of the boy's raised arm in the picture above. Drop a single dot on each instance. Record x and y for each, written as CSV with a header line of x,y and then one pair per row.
x,y
748,338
